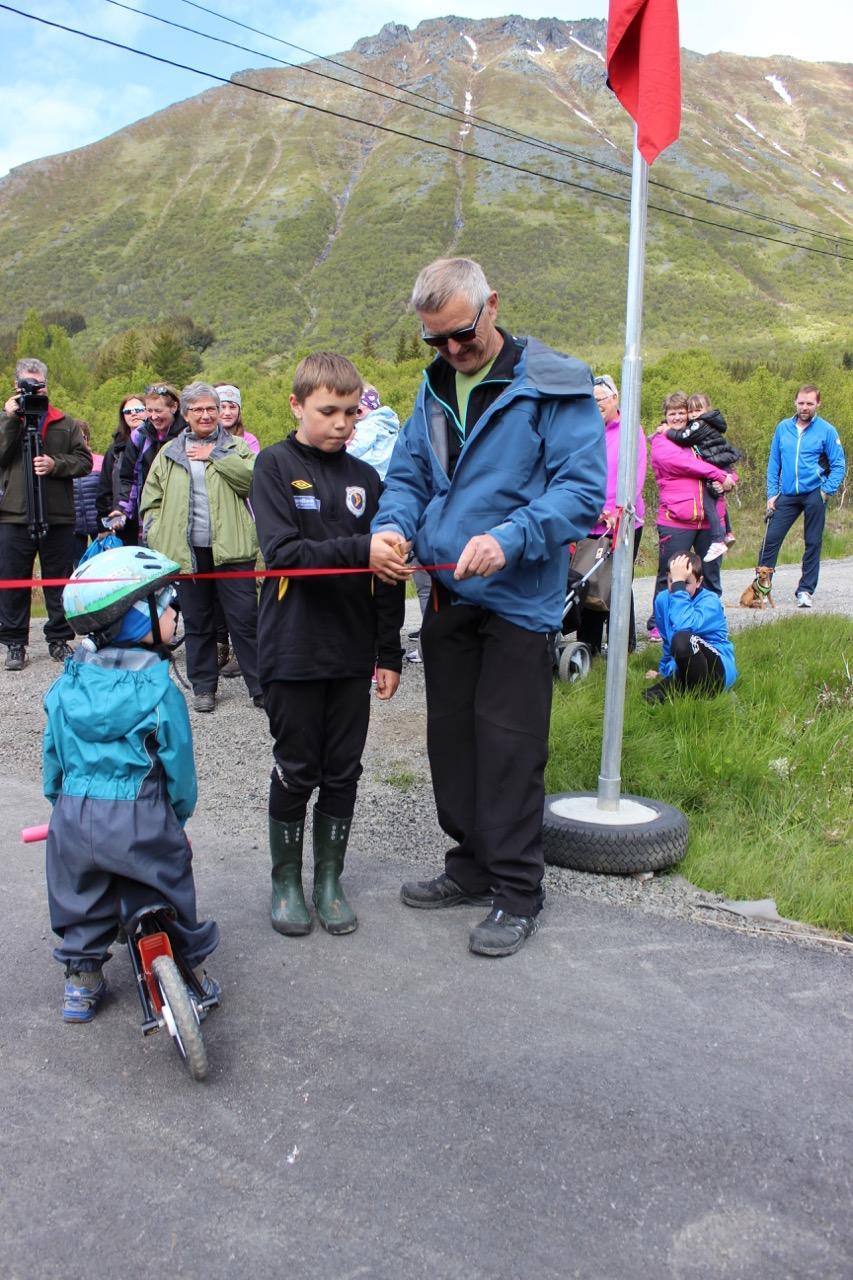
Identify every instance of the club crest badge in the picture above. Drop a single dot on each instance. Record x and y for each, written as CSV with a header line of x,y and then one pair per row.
x,y
356,499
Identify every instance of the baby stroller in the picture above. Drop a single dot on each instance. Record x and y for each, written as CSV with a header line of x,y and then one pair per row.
x,y
572,658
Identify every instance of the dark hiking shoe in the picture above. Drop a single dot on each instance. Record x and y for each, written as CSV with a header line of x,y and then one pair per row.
x,y
223,653
204,701
259,702
59,650
501,934
16,657
231,669
441,892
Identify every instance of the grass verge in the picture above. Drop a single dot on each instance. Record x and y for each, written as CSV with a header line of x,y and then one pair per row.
x,y
762,772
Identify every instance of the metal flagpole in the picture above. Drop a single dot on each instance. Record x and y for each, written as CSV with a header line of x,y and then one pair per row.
x,y
609,778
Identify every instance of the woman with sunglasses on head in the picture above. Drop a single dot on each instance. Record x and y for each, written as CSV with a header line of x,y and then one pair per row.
x,y
131,413
162,422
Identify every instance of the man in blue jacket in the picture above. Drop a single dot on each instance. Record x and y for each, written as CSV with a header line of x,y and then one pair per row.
x,y
500,466
805,467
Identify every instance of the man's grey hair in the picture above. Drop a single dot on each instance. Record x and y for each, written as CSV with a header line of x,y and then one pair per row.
x,y
30,365
197,391
448,278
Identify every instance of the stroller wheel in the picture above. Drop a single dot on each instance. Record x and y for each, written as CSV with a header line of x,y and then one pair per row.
x,y
574,662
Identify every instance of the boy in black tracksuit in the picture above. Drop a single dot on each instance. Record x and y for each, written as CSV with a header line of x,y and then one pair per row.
x,y
320,637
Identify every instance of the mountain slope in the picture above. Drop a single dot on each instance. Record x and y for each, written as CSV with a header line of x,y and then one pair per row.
x,y
284,228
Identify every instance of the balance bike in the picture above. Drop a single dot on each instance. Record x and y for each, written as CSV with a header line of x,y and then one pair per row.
x,y
169,992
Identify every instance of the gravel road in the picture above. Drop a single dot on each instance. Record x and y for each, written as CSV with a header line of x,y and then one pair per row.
x,y
395,815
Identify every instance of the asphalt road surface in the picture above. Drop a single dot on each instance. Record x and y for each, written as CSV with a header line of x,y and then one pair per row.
x,y
627,1097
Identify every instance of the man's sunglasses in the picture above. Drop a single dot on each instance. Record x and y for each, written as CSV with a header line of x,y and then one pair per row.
x,y
459,335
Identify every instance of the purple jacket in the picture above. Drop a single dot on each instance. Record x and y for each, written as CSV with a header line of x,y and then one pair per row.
x,y
611,445
680,476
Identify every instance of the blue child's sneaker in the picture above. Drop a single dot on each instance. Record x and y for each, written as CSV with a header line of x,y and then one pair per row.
x,y
83,993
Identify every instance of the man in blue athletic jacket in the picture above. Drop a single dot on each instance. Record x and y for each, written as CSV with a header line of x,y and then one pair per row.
x,y
500,466
805,467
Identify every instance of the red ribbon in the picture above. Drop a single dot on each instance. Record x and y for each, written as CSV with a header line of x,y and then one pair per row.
x,y
8,583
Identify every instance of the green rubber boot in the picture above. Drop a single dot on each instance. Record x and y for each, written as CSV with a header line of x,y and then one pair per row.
x,y
289,913
330,845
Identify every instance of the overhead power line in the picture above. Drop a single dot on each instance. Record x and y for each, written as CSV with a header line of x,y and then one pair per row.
x,y
412,137
464,117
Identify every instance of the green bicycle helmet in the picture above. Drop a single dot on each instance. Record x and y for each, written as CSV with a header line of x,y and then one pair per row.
x,y
103,589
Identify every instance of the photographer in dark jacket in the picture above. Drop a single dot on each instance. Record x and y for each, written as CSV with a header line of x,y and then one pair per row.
x,y
63,456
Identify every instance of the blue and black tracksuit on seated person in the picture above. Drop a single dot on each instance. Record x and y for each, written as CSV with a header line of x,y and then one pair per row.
x,y
118,769
697,652
528,467
319,638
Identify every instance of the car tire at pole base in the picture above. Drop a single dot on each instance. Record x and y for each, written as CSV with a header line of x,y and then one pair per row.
x,y
609,848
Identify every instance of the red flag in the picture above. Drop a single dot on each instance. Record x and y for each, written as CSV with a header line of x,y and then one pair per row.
x,y
644,69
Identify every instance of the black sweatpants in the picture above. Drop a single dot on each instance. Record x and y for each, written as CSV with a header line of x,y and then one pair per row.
x,y
319,729
239,600
697,665
17,555
488,688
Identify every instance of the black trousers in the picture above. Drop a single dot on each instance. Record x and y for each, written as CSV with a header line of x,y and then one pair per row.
x,y
239,600
319,729
697,665
17,556
488,688
672,542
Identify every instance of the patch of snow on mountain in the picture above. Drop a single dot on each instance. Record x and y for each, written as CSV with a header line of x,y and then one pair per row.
x,y
749,125
782,149
586,46
840,185
582,116
470,44
776,83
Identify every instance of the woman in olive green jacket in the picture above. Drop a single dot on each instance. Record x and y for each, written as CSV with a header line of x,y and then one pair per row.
x,y
195,509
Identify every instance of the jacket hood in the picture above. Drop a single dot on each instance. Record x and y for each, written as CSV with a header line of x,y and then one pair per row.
x,y
104,695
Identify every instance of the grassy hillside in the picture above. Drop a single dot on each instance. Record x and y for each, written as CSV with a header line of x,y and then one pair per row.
x,y
284,229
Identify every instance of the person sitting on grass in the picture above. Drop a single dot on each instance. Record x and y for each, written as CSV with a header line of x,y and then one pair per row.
x,y
697,653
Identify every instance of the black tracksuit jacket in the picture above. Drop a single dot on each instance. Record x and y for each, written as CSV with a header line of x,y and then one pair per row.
x,y
313,511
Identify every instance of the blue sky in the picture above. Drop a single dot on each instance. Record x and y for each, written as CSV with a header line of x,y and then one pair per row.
x,y
60,91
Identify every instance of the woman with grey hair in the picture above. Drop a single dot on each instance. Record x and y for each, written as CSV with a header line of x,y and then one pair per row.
x,y
195,510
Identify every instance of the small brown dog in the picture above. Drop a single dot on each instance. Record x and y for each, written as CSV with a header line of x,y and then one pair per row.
x,y
757,595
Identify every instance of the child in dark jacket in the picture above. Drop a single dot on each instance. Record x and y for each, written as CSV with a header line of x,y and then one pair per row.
x,y
119,772
705,434
319,636
697,652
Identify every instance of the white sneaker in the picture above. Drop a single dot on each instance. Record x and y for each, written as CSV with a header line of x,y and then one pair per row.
x,y
715,551
804,599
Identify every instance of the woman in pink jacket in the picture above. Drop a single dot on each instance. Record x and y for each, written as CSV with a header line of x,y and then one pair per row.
x,y
591,629
680,519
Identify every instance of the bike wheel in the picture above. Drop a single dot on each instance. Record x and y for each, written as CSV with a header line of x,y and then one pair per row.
x,y
180,1017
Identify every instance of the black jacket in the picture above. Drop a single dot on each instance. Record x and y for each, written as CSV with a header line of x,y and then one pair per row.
x,y
705,435
313,510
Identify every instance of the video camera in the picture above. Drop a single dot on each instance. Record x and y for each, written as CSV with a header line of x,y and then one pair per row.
x,y
31,397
